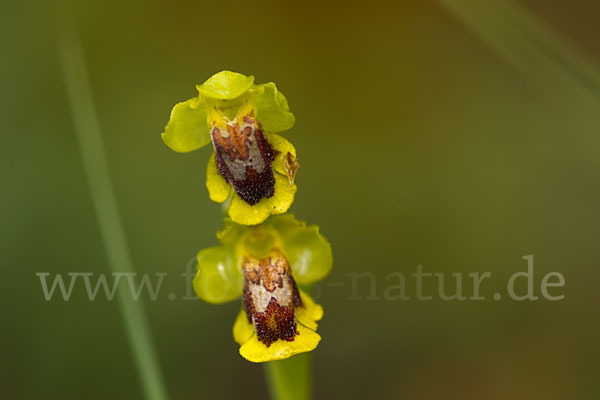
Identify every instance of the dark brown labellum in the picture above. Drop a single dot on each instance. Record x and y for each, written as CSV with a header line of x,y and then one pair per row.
x,y
244,156
270,297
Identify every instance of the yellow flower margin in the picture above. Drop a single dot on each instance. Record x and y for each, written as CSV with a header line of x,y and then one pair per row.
x,y
306,340
243,213
227,94
219,278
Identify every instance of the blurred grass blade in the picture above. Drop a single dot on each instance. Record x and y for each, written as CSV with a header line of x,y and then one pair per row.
x,y
534,48
95,164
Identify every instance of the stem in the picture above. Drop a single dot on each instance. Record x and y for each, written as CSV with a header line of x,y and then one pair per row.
x,y
290,379
95,164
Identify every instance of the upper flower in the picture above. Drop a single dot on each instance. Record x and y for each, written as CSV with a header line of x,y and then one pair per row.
x,y
250,162
264,263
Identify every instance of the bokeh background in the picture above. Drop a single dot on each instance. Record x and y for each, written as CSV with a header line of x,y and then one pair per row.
x,y
457,135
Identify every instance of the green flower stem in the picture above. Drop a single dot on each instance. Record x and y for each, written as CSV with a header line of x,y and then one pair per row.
x,y
290,379
96,169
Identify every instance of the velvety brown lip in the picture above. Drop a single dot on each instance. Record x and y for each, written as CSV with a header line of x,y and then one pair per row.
x,y
244,157
270,297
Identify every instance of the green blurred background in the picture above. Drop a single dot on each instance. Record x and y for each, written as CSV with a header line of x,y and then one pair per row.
x,y
427,134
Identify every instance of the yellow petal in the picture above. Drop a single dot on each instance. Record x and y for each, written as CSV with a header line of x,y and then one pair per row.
x,y
245,214
310,312
242,329
255,351
218,187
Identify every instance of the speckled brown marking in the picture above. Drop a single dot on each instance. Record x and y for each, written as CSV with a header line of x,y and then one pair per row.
x,y
270,297
243,157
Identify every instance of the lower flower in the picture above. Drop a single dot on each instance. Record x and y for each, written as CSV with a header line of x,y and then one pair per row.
x,y
263,264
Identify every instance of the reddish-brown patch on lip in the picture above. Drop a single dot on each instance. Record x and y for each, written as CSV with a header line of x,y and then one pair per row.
x,y
270,297
277,322
243,157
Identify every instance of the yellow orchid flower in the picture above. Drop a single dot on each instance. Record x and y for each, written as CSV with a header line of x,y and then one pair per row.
x,y
264,264
250,162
